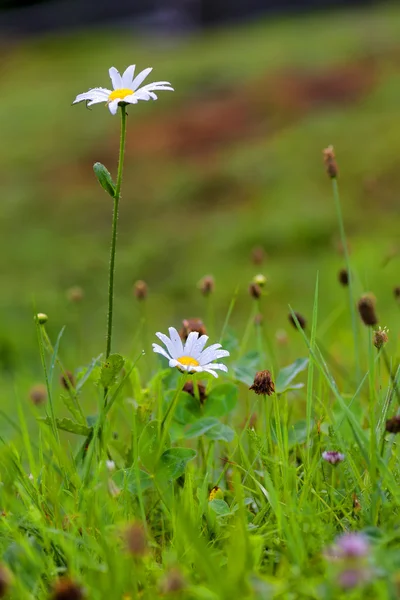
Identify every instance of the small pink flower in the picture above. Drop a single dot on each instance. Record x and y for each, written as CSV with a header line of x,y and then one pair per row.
x,y
333,457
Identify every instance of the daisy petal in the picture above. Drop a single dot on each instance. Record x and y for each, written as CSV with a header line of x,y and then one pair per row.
x,y
213,373
102,93
141,77
158,350
131,99
116,78
218,366
209,354
176,340
113,106
168,343
127,77
190,342
199,345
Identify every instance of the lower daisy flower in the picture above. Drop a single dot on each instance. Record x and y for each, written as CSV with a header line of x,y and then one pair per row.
x,y
191,357
126,89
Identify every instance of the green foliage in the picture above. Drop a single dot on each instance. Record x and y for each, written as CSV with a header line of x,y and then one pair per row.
x,y
110,370
284,380
104,178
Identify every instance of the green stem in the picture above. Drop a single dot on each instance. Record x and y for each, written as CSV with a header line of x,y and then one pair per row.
x,y
114,231
350,275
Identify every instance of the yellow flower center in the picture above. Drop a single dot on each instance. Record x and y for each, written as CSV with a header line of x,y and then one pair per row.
x,y
120,94
188,360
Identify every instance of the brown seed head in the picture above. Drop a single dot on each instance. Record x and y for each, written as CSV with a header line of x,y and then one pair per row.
x,y
38,394
75,294
366,308
393,424
140,290
396,292
173,582
255,290
207,285
5,580
343,277
189,325
136,540
263,384
330,162
67,380
302,321
380,337
66,589
189,389
258,255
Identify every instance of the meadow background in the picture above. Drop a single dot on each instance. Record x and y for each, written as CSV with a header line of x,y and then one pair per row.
x,y
230,161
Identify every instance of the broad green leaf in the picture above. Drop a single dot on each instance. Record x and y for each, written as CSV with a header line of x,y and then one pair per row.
x,y
187,408
104,178
68,425
220,507
247,367
211,428
285,376
173,463
126,478
70,405
149,445
111,369
297,433
220,432
221,400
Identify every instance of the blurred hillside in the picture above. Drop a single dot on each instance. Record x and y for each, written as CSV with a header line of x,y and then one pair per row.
x,y
230,161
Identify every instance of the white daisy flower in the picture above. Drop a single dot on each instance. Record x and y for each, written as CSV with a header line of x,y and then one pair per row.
x,y
191,357
125,90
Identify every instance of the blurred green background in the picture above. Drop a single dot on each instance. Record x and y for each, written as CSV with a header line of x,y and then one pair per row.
x,y
230,161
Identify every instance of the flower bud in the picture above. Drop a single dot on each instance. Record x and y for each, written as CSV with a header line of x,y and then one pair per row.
x,y
140,290
66,589
366,309
42,318
38,394
333,457
393,424
260,280
207,285
330,162
258,255
189,389
136,540
263,384
173,582
255,291
302,321
343,277
5,580
216,494
75,294
380,337
67,380
189,325
396,292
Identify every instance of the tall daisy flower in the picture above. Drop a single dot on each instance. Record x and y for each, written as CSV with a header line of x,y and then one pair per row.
x,y
125,90
191,357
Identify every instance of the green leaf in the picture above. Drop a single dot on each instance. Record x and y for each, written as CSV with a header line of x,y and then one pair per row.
x,y
70,405
111,369
221,400
104,178
211,428
247,367
173,463
85,373
149,445
285,376
126,478
220,432
297,433
68,425
220,507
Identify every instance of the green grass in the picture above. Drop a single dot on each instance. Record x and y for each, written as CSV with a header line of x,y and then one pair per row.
x,y
192,206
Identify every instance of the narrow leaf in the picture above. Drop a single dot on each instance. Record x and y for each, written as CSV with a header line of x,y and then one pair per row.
x,y
104,178
68,425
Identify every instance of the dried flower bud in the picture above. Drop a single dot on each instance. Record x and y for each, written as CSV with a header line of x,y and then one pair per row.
x,y
189,389
302,321
366,308
380,337
216,494
330,162
173,582
67,380
260,280
396,292
255,291
38,394
140,290
75,294
136,540
258,255
333,457
393,424
66,589
5,580
343,277
207,285
189,325
263,384
42,318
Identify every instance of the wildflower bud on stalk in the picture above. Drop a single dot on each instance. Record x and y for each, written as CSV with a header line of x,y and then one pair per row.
x,y
216,494
189,389
302,321
260,280
173,582
66,589
343,277
140,290
366,309
396,292
380,338
207,285
258,255
67,380
5,580
263,384
189,325
255,290
38,394
136,540
42,318
330,162
75,294
333,457
393,424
